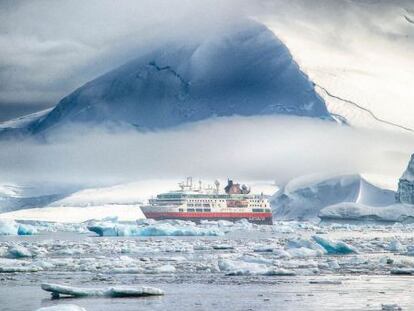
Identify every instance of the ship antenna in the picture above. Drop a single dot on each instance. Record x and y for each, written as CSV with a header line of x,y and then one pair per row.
x,y
217,183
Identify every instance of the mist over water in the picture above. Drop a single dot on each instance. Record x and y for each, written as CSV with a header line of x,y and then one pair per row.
x,y
251,148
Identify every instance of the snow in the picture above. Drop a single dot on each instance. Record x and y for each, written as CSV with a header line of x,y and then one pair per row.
x,y
346,61
62,307
116,291
22,122
158,229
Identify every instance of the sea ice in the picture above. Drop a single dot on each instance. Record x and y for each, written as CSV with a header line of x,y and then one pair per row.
x,y
241,267
157,229
396,246
117,291
63,307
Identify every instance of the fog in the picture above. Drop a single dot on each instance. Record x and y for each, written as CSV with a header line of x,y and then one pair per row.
x,y
254,148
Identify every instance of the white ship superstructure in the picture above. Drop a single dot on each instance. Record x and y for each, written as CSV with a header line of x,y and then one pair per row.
x,y
197,203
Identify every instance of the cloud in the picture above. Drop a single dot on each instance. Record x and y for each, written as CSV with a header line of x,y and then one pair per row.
x,y
254,148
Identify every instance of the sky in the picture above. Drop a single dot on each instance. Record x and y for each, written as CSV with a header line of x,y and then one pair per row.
x,y
49,48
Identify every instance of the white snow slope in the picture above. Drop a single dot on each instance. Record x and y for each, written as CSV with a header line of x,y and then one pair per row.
x,y
358,53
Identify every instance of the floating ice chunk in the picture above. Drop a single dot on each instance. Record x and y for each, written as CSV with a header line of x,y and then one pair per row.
x,y
390,307
238,267
13,269
402,271
303,243
157,229
396,246
8,227
18,251
26,230
410,250
334,247
62,308
330,282
165,269
303,252
118,291
281,272
222,246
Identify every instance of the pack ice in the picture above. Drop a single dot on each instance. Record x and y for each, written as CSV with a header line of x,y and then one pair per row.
x,y
173,228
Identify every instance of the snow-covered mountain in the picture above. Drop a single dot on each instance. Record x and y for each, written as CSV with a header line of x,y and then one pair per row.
x,y
244,70
358,54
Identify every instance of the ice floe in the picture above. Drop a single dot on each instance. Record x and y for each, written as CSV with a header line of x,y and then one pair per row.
x,y
116,291
158,229
62,307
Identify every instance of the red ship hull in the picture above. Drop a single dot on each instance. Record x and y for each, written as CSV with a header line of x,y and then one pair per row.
x,y
258,218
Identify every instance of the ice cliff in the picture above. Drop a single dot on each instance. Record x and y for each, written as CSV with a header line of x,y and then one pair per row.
x,y
405,193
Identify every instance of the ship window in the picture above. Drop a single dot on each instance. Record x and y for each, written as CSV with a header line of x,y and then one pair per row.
x,y
190,209
258,210
199,209
180,210
207,210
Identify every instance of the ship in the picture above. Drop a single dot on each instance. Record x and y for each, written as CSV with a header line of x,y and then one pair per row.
x,y
197,203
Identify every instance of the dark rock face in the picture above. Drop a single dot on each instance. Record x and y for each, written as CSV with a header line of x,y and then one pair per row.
x,y
405,192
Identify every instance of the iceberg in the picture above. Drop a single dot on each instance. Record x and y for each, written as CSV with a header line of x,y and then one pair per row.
x,y
334,247
63,307
304,198
116,291
10,227
157,229
18,251
405,193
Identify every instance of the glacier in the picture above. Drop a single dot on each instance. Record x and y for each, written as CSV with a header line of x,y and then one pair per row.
x,y
244,70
